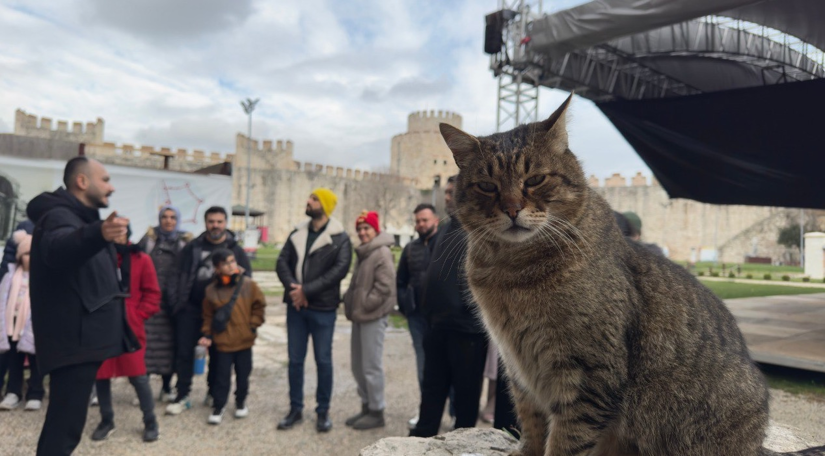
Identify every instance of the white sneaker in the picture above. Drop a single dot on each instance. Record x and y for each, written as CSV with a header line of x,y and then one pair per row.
x,y
33,405
168,397
216,417
176,408
242,412
10,402
412,423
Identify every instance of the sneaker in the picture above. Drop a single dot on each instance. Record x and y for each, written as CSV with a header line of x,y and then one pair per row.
x,y
412,423
33,405
103,431
241,411
10,402
167,396
176,408
216,417
150,431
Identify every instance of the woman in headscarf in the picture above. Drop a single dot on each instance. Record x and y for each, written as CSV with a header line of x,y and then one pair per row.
x,y
163,244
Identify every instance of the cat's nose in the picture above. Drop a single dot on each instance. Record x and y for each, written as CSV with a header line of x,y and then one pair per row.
x,y
512,212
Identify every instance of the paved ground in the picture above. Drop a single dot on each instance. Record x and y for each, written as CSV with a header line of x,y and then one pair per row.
x,y
189,434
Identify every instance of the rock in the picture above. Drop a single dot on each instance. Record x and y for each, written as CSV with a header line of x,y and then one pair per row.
x,y
492,442
461,442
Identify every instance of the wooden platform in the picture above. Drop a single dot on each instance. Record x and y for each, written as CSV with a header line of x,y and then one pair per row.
x,y
784,330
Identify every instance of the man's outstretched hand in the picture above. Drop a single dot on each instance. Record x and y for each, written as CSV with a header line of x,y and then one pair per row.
x,y
114,227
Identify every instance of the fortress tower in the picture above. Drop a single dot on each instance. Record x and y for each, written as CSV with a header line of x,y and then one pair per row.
x,y
420,154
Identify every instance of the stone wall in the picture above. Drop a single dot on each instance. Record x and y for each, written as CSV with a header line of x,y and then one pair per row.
x,y
27,125
683,225
420,154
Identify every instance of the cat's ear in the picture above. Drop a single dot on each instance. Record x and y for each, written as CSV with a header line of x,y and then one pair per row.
x,y
555,126
465,146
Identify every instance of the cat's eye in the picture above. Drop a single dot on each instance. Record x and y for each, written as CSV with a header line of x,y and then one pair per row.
x,y
486,187
533,181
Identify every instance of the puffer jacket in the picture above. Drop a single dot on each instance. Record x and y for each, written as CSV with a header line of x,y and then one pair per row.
x,y
321,272
78,312
26,342
160,330
371,293
246,317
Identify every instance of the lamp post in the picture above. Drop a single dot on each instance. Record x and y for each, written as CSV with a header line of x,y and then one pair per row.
x,y
248,107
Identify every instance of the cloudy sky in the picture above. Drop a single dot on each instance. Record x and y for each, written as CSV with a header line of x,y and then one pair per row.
x,y
338,78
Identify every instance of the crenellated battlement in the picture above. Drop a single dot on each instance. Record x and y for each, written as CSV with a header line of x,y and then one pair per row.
x,y
347,173
29,125
265,146
148,156
617,180
421,121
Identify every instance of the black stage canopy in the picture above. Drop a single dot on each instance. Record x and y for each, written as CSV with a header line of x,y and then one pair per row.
x,y
758,146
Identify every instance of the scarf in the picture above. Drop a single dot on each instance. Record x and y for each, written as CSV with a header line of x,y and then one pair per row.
x,y
169,236
14,328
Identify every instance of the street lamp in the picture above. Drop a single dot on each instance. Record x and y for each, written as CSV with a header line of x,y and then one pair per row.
x,y
248,107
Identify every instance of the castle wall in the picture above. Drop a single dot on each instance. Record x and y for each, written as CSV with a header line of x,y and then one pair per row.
x,y
28,125
420,154
681,225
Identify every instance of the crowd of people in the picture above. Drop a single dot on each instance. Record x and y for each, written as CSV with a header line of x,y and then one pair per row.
x,y
82,304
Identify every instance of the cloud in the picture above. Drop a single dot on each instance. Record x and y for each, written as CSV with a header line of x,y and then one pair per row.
x,y
336,78
160,20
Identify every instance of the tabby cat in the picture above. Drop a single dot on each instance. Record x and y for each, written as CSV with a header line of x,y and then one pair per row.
x,y
612,350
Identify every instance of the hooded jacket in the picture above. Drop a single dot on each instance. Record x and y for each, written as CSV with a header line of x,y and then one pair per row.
x,y
320,272
247,314
193,283
77,303
371,293
10,250
447,302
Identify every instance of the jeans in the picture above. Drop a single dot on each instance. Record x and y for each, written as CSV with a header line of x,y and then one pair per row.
x,y
70,387
300,325
14,361
242,360
144,394
453,359
418,330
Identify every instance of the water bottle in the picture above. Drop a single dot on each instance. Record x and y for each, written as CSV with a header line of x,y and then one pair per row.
x,y
200,360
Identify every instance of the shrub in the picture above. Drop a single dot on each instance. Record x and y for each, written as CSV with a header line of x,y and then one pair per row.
x,y
701,273
714,274
749,276
767,277
732,275
806,279
786,278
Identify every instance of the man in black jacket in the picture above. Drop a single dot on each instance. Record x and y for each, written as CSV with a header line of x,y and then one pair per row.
x,y
312,263
78,312
412,273
455,349
196,273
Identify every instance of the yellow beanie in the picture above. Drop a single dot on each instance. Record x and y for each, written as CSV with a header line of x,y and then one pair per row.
x,y
327,198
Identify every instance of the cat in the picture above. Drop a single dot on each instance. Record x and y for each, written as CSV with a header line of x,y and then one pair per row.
x,y
612,350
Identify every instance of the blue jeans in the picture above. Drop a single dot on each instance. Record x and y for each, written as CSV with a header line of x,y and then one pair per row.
x,y
418,330
299,326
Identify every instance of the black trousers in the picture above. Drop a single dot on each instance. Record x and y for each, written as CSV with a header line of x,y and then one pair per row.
x,y
222,380
14,361
506,417
188,325
451,359
69,391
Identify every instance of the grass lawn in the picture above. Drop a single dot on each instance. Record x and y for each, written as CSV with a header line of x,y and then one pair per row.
x,y
730,290
795,381
755,269
265,259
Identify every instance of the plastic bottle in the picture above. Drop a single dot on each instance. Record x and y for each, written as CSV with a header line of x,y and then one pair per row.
x,y
200,360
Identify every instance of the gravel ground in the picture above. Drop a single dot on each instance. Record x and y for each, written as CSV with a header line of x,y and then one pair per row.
x,y
188,434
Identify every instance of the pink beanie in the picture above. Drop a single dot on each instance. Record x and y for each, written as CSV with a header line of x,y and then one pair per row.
x,y
23,241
